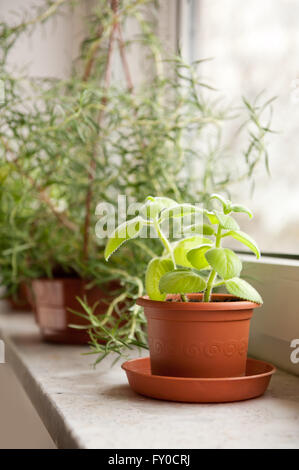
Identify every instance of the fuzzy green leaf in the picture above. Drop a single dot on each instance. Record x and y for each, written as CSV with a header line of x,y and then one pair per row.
x,y
225,203
163,202
196,256
241,208
181,282
226,221
181,210
123,233
242,289
156,268
211,216
183,246
204,229
154,205
245,239
225,262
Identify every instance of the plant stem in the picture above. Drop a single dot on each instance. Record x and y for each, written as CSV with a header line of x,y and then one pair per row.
x,y
164,241
110,310
218,238
134,313
184,298
209,288
218,284
124,60
91,59
92,166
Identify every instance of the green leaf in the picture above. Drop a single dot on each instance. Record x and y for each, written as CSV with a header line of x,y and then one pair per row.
x,y
183,246
162,201
226,221
241,208
242,289
229,207
123,233
225,262
196,256
156,268
154,205
204,229
5,170
181,282
225,203
181,210
245,239
211,216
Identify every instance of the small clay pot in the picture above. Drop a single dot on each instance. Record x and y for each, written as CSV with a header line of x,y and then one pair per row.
x,y
54,298
22,301
198,339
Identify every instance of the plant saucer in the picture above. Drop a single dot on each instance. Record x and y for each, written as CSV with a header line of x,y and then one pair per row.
x,y
199,390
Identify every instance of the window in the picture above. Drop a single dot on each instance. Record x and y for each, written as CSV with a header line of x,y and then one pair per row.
x,y
255,47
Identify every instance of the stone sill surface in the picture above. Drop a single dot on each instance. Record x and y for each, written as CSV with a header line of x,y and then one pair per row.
x,y
88,408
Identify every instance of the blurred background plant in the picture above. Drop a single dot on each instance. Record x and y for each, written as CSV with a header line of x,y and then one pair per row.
x,y
67,144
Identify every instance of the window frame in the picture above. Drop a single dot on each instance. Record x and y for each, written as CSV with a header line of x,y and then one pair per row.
x,y
276,324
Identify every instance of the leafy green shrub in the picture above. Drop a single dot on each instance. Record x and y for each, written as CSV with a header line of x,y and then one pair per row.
x,y
180,269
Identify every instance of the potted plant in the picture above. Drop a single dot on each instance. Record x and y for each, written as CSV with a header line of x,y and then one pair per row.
x,y
192,331
68,143
55,168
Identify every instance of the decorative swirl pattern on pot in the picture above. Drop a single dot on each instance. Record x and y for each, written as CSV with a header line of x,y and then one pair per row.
x,y
229,349
159,346
212,349
193,350
242,347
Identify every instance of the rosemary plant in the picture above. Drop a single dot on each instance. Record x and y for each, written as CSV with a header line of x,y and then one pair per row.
x,y
67,144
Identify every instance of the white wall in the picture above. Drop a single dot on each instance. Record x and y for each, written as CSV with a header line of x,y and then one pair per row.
x,y
50,49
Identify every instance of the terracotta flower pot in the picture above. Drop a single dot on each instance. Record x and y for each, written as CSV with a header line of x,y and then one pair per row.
x,y
198,339
54,298
30,296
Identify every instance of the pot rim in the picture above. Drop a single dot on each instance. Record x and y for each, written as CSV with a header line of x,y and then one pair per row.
x,y
144,301
52,279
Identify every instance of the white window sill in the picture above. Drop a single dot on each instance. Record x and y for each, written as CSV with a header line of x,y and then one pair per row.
x,y
84,407
276,324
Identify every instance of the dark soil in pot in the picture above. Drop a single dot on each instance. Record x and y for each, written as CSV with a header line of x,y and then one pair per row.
x,y
198,339
54,298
